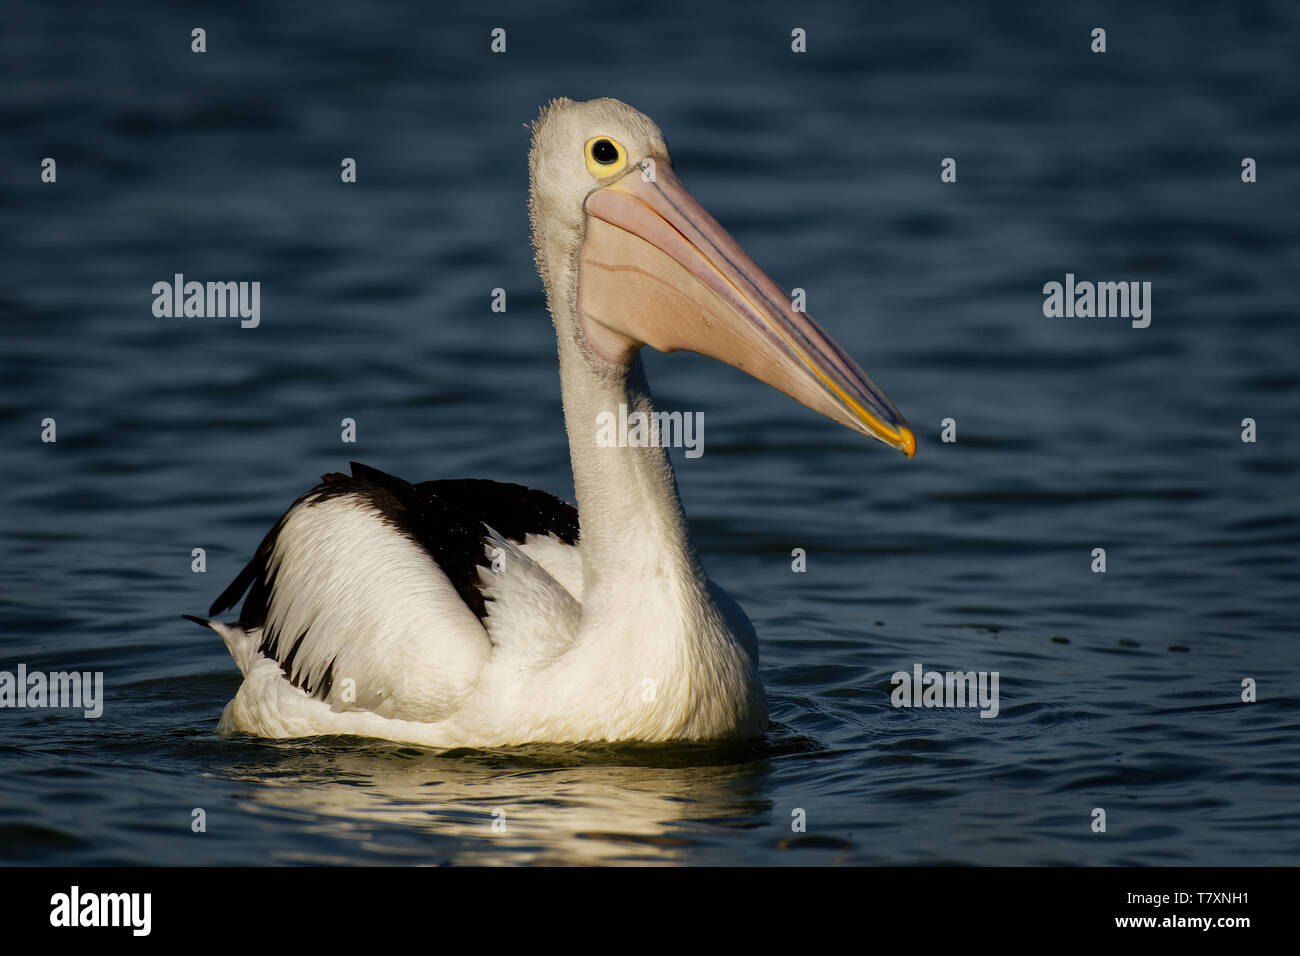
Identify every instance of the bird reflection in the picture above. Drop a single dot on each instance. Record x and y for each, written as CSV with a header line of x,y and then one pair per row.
x,y
393,804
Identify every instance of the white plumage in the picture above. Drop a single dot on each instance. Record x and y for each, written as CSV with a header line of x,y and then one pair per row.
x,y
410,661
458,614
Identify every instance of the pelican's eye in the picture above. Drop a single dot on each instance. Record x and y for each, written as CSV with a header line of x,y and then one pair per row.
x,y
605,156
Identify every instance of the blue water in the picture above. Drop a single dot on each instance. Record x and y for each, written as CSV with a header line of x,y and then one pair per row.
x,y
1120,691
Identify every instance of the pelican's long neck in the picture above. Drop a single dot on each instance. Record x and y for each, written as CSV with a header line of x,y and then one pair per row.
x,y
632,525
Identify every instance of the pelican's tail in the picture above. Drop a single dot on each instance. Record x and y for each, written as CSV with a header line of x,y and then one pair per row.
x,y
241,644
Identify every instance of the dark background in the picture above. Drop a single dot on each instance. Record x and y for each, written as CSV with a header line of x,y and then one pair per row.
x,y
1119,691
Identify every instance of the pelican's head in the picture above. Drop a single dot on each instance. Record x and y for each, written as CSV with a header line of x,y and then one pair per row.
x,y
625,250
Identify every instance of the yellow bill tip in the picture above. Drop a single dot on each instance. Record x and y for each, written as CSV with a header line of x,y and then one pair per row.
x,y
907,444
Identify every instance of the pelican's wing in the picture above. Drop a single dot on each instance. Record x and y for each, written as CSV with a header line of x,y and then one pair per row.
x,y
372,593
541,525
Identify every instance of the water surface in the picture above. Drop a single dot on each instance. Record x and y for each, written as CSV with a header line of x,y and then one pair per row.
x,y
1119,690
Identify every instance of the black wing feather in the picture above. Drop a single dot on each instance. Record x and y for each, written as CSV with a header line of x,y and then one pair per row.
x,y
445,518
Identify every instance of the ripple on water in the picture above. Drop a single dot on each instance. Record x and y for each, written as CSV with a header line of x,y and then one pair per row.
x,y
1120,690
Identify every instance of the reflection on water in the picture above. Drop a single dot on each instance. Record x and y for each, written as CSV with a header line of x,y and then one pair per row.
x,y
1119,690
406,805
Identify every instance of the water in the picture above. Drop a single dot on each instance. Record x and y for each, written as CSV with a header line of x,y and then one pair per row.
x,y
1118,690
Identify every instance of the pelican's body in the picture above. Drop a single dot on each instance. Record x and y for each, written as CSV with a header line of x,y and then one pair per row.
x,y
471,613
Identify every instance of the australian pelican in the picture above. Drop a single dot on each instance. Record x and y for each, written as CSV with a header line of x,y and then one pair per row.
x,y
475,613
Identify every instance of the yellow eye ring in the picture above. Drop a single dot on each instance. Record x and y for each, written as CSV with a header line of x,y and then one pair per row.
x,y
605,156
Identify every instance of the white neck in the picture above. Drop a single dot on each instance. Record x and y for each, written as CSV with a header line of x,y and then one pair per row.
x,y
632,525
648,611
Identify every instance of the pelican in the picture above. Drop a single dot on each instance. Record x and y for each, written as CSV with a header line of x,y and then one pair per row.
x,y
471,613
